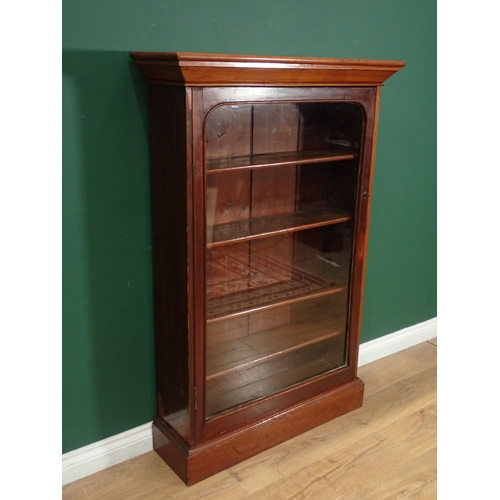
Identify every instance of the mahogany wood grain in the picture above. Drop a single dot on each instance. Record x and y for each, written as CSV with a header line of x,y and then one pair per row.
x,y
365,201
170,209
263,386
231,328
227,131
277,224
315,137
273,304
360,247
275,130
171,449
229,338
275,373
262,409
214,96
255,158
204,460
314,323
223,164
184,68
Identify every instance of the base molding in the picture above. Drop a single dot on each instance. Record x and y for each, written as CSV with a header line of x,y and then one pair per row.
x,y
134,442
103,454
397,341
199,462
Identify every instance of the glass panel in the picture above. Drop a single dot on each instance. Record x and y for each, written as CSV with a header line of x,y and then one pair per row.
x,y
280,199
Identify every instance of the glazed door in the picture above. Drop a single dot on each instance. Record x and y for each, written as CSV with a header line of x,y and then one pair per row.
x,y
281,179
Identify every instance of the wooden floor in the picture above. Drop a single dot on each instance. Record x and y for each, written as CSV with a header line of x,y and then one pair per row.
x,y
384,450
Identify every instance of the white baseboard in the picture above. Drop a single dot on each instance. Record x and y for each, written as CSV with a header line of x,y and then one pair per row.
x,y
116,449
103,454
395,342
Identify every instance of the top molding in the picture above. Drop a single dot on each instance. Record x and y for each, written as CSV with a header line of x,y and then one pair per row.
x,y
228,70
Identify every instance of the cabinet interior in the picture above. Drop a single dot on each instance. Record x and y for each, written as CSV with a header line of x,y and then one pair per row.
x,y
281,184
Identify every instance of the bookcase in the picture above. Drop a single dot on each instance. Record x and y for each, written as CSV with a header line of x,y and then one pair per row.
x,y
261,171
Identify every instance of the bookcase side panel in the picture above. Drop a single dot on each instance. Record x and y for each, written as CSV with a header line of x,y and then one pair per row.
x,y
170,206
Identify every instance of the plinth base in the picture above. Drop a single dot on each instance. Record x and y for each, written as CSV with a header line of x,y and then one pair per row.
x,y
193,464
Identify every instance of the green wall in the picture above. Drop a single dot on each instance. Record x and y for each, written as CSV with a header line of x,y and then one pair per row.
x,y
108,364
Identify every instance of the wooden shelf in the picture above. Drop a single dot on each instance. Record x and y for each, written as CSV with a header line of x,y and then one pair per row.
x,y
314,321
217,165
269,385
272,283
263,227
215,315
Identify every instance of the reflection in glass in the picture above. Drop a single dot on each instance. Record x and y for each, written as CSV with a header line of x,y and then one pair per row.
x,y
280,191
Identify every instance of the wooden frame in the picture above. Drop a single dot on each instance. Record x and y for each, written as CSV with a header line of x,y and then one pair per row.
x,y
264,165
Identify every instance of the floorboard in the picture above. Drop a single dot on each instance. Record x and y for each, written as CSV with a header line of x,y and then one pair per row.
x,y
384,450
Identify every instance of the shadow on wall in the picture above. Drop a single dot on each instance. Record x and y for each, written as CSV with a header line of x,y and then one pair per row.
x,y
108,341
